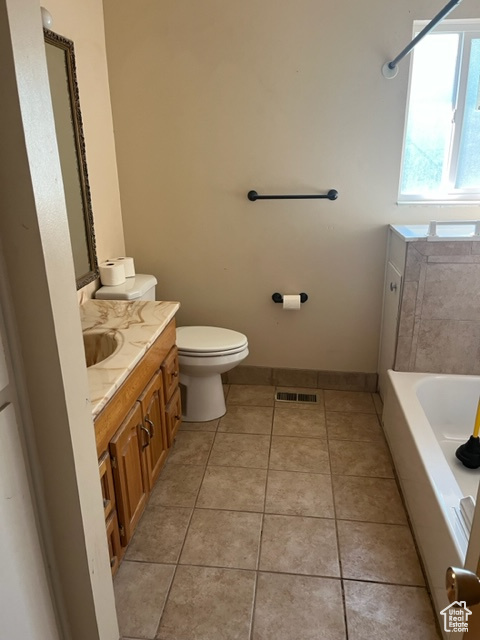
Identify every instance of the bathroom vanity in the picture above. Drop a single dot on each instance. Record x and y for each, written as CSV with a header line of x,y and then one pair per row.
x,y
133,380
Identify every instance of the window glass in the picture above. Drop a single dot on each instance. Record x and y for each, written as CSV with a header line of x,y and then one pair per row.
x,y
441,150
468,174
429,123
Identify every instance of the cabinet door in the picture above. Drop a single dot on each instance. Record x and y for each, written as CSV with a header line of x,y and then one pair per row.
x,y
173,414
114,545
127,450
170,373
106,481
153,410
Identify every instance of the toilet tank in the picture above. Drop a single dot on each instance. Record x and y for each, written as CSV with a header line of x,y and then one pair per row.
x,y
139,287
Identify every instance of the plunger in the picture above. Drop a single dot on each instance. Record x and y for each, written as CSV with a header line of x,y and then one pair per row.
x,y
469,453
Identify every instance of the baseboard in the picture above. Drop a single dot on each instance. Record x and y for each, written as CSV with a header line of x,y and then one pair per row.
x,y
302,378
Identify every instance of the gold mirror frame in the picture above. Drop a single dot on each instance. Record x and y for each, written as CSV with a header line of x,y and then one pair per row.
x,y
79,141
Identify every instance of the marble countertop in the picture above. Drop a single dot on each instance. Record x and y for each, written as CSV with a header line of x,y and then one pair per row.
x,y
137,325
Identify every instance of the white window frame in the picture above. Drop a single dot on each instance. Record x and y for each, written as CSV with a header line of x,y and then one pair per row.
x,y
470,28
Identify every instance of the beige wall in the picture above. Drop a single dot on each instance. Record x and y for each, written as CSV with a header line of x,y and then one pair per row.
x,y
213,99
82,22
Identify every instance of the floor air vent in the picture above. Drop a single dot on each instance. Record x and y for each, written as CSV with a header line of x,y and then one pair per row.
x,y
284,396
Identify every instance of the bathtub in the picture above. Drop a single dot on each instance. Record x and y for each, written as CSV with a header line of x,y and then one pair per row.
x,y
426,417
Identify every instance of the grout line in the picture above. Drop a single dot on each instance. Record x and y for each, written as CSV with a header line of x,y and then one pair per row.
x,y
289,573
259,554
390,584
283,513
184,540
340,567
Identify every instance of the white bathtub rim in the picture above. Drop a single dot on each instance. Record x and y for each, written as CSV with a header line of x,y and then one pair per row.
x,y
442,479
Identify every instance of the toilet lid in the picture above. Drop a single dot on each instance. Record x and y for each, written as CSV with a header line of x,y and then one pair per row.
x,y
209,340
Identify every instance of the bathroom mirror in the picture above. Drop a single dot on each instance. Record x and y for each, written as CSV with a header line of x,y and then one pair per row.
x,y
71,147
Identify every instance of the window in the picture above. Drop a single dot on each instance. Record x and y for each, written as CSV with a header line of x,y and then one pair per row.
x,y
441,151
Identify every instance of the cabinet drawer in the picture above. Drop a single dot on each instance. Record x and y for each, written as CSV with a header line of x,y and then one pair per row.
x,y
170,373
173,413
106,480
113,538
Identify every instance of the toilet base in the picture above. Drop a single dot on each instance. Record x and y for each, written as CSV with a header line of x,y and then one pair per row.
x,y
202,398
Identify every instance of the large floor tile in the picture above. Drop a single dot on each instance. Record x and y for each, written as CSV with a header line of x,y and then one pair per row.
x,y
295,544
251,395
223,539
291,421
343,425
299,494
378,552
240,450
298,608
299,454
380,611
360,458
191,448
368,499
159,536
360,401
177,486
239,419
209,604
233,488
140,593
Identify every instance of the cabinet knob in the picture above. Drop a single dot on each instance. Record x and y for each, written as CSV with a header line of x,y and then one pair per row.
x,y
174,374
393,286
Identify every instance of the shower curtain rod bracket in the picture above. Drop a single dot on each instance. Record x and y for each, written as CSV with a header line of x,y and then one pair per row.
x,y
390,69
389,72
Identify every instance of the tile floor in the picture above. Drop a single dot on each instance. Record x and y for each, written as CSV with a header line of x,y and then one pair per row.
x,y
276,522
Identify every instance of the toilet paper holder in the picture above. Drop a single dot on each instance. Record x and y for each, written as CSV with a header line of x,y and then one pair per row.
x,y
277,297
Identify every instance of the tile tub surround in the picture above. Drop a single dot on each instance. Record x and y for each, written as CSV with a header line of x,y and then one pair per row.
x,y
279,521
439,326
138,325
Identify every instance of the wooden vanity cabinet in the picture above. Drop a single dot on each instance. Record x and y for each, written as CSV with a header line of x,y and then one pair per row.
x,y
133,434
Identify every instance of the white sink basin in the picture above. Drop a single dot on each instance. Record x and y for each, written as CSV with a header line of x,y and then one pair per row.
x,y
100,345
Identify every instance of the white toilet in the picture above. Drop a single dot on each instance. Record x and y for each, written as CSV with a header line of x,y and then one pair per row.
x,y
204,353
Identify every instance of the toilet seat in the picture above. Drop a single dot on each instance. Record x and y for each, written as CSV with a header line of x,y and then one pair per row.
x,y
204,342
211,354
